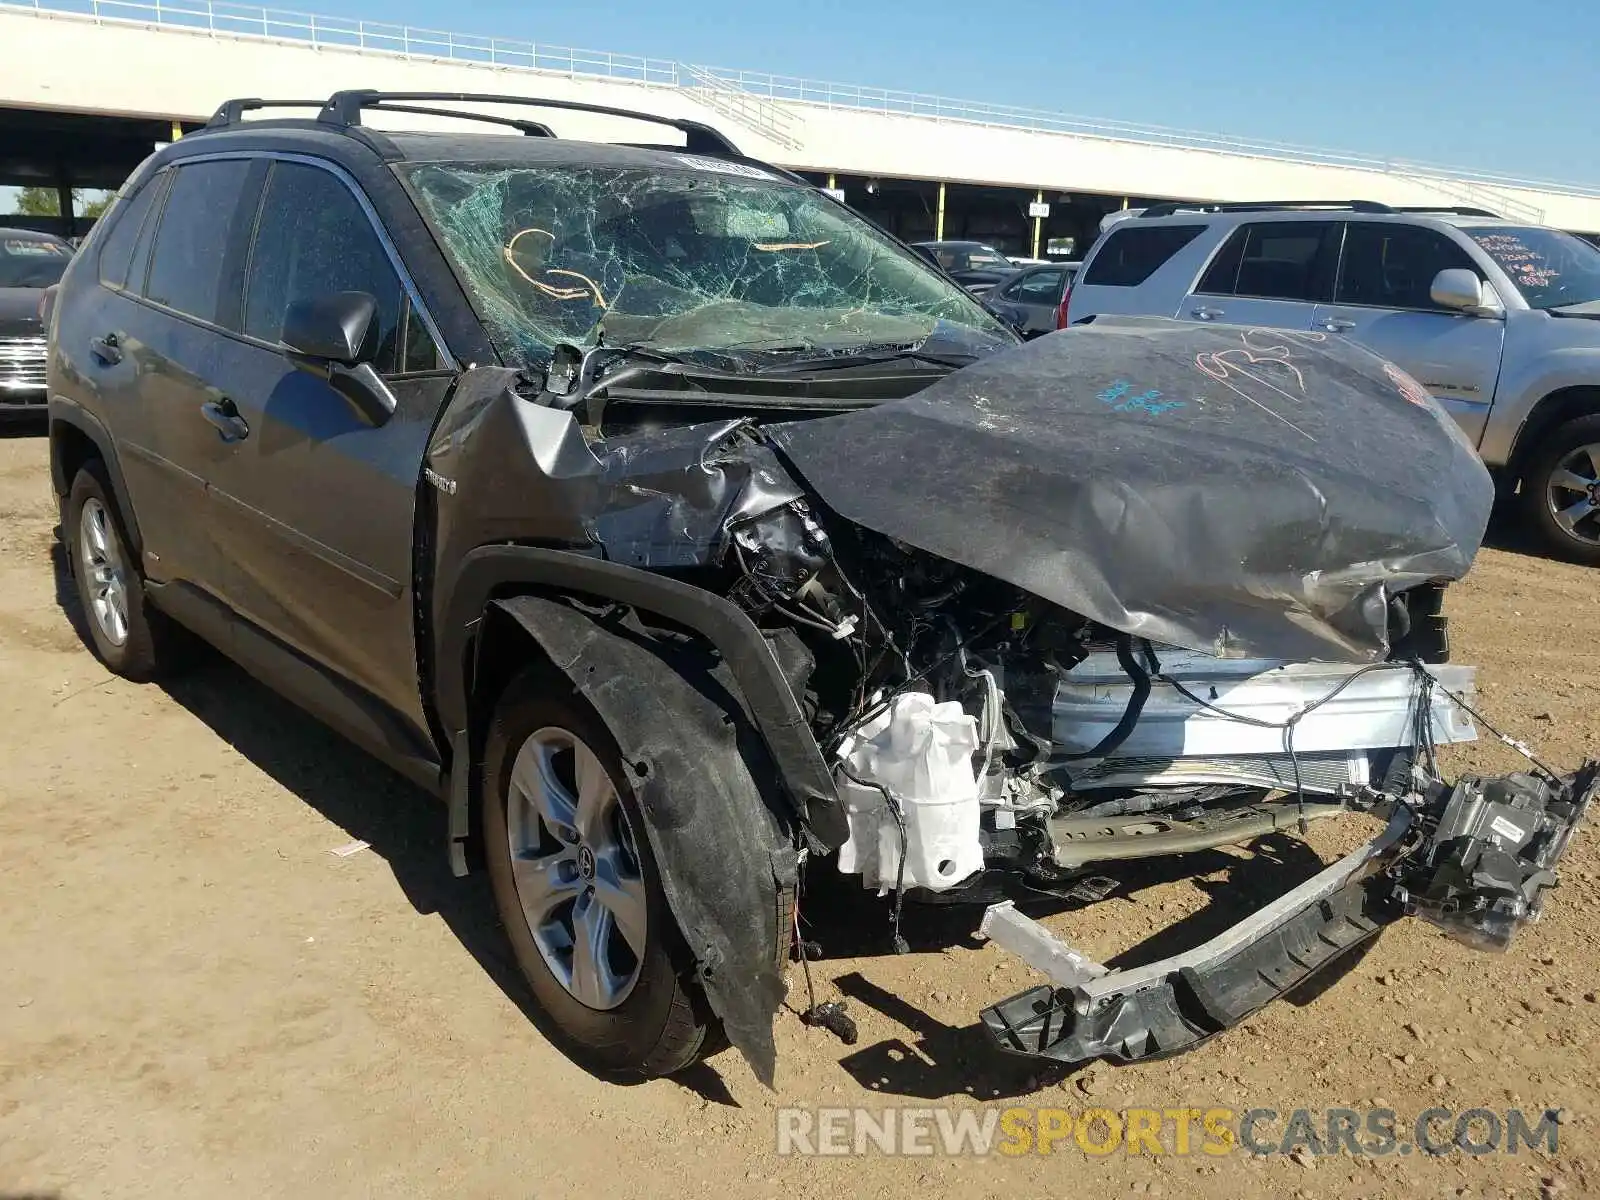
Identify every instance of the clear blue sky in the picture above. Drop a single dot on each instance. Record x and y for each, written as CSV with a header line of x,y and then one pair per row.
x,y
1500,85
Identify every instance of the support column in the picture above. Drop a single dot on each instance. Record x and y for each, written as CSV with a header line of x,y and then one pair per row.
x,y
938,219
177,130
64,200
1038,222
833,181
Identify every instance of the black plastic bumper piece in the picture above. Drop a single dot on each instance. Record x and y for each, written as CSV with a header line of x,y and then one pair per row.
x,y
1189,1005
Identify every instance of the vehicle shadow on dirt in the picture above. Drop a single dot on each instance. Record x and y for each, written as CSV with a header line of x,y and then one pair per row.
x,y
943,1059
403,824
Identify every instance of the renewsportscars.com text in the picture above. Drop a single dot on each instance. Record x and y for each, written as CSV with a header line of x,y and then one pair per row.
x,y
1377,1132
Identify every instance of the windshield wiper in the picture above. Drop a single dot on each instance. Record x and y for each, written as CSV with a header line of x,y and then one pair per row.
x,y
838,362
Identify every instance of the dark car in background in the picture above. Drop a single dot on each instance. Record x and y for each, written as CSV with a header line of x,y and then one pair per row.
x,y
974,265
1030,300
30,263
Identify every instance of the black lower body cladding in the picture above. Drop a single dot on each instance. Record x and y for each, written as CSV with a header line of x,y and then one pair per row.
x,y
1241,492
725,847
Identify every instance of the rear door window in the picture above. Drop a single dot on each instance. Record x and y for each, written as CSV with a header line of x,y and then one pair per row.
x,y
1133,253
1389,265
1277,260
191,260
313,239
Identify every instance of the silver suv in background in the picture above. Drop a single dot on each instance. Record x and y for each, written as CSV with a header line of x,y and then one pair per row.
x,y
1498,321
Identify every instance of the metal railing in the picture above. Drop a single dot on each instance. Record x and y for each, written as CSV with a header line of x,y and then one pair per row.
x,y
826,94
249,20
727,85
770,119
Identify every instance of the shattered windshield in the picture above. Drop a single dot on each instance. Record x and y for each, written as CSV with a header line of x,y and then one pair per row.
x,y
726,261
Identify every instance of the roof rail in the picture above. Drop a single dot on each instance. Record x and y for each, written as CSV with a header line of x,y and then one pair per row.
x,y
1445,208
231,112
345,109
1168,208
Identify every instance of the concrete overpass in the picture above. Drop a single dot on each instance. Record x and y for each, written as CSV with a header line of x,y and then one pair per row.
x,y
925,165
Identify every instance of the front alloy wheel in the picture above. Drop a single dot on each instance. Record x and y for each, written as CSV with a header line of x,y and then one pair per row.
x,y
576,867
578,891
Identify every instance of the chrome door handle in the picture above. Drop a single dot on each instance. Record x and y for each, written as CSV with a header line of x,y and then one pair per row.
x,y
231,427
106,350
1206,314
1338,325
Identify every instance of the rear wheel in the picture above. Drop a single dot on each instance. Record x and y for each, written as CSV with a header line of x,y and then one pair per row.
x,y
1561,491
578,891
132,639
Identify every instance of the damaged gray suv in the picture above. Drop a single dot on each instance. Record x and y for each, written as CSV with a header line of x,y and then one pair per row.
x,y
688,535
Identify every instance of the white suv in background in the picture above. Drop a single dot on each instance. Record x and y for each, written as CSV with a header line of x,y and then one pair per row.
x,y
1500,322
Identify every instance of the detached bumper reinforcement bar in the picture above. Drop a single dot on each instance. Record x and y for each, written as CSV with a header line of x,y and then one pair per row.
x,y
1477,859
1167,1006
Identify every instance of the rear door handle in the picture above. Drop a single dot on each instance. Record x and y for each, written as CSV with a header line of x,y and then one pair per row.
x,y
1206,314
106,350
1337,325
231,427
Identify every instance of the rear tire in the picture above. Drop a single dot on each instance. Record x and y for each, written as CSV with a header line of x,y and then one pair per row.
x,y
1561,491
628,1009
131,638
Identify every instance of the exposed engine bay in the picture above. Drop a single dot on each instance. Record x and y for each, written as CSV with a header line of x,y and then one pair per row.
x,y
991,739
1034,631
977,730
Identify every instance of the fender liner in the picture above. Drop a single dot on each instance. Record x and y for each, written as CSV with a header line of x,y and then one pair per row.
x,y
761,684
727,861
67,412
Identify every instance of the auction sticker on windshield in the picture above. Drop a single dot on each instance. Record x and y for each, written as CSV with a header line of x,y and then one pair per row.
x,y
723,167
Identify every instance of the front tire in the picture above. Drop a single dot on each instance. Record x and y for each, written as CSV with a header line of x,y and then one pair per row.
x,y
1561,491
578,891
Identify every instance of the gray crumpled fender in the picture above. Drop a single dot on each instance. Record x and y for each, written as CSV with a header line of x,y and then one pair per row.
x,y
728,864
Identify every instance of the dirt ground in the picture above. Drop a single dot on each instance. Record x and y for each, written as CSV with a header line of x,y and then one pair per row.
x,y
200,1000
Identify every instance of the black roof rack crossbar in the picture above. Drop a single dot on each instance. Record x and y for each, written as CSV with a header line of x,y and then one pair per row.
x,y
345,108
1445,208
231,112
531,128
1168,208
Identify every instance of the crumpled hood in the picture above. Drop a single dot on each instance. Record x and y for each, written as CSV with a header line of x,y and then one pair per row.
x,y
1237,491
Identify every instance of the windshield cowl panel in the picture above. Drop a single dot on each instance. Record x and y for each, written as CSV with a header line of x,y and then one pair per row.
x,y
682,262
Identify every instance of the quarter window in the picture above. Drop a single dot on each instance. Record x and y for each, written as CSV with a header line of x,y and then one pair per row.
x,y
128,218
1133,253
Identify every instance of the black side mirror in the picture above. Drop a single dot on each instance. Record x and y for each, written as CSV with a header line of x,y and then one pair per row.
x,y
335,337
339,328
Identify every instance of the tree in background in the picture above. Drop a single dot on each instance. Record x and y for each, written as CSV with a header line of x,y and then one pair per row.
x,y
46,202
91,209
37,202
